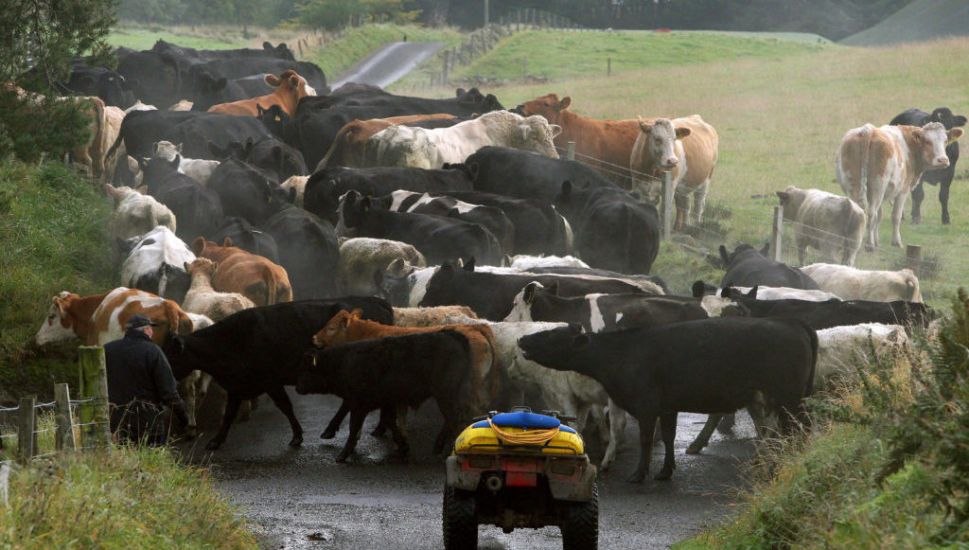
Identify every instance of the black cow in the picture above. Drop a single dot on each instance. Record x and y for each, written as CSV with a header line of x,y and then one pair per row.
x,y
398,371
526,175
492,219
246,192
438,239
273,157
602,312
835,313
539,228
308,250
109,85
492,295
208,88
707,366
748,267
244,235
917,117
325,187
260,350
195,131
613,230
198,210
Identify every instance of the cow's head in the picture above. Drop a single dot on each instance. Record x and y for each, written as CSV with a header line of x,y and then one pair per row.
x,y
742,250
563,348
394,282
336,330
944,116
521,310
930,141
538,135
791,200
165,150
353,209
203,266
59,324
289,82
549,106
656,150
274,119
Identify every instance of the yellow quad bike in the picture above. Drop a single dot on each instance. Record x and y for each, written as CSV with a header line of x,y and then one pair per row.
x,y
520,469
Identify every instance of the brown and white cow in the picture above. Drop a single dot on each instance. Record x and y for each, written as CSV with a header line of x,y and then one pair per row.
x,y
350,144
879,165
101,318
832,224
688,147
289,86
253,276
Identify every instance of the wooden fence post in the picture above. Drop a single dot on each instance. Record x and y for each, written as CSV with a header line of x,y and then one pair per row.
x,y
913,258
609,66
26,425
94,385
777,232
65,420
570,150
668,205
447,62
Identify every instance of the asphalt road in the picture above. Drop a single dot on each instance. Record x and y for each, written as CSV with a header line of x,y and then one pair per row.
x,y
388,64
302,499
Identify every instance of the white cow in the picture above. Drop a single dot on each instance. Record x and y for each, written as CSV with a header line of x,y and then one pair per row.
x,y
525,262
156,262
830,223
432,148
842,350
199,170
859,284
136,214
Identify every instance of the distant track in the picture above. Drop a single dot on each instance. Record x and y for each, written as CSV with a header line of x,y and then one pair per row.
x,y
389,64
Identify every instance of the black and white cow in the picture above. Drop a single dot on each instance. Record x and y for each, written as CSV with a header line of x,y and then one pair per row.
x,y
539,227
156,264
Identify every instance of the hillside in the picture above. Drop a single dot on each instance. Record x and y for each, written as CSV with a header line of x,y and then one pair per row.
x,y
920,20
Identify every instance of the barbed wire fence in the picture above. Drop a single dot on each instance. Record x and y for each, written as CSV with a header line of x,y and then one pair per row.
x,y
43,430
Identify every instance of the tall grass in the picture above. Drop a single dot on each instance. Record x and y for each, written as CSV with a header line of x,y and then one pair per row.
x,y
127,498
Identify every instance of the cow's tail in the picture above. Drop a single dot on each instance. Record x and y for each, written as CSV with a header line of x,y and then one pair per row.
x,y
338,142
852,230
120,139
271,284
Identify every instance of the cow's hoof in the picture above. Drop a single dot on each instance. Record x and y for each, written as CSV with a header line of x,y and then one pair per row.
x,y
637,477
604,466
342,458
664,475
296,441
694,449
328,434
213,445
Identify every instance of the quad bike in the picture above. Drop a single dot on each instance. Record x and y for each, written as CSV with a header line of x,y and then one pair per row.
x,y
520,469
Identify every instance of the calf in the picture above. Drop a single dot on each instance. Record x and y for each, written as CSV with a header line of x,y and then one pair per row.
x,y
199,170
289,86
260,350
878,165
136,214
658,372
100,318
860,284
749,267
203,299
156,262
832,224
361,258
395,371
944,115
255,277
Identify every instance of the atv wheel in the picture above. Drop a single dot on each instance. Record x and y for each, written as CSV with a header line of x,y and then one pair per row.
x,y
580,530
460,523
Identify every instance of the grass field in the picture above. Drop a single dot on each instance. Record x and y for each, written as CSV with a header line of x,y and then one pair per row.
x,y
143,38
780,120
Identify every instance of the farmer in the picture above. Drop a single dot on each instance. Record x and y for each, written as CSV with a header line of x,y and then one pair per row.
x,y
140,385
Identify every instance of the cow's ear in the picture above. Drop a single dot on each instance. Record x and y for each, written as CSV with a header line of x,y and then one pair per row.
x,y
227,242
724,256
396,266
581,341
357,313
644,127
753,292
469,265
784,196
294,81
765,249
272,80
954,134
683,132
179,147
698,288
198,246
445,272
528,294
959,120
564,104
556,130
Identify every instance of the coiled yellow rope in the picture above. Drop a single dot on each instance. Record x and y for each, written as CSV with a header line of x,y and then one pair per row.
x,y
538,437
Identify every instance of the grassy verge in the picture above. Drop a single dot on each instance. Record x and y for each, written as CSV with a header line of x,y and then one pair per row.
x,y
127,498
208,38
886,468
53,236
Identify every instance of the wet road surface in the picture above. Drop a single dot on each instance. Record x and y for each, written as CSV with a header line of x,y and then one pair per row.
x,y
302,499
389,64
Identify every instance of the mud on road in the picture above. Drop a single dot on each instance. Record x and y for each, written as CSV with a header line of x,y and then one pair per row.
x,y
302,499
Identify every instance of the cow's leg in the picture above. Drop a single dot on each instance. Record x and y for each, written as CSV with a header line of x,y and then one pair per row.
x,y
356,425
700,201
944,198
898,208
383,424
682,201
187,389
647,423
334,426
281,399
403,448
726,424
617,424
918,193
231,409
703,438
668,421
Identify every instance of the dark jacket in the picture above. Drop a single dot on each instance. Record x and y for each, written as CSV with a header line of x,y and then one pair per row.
x,y
137,369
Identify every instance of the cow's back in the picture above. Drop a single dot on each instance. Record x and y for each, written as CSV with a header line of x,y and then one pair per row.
x,y
700,151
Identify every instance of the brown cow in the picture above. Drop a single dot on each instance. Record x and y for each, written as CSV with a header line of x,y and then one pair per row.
x,y
876,165
290,88
251,275
101,318
687,147
350,144
608,141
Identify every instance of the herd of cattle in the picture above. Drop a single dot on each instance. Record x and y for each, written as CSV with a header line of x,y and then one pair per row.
x,y
441,249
